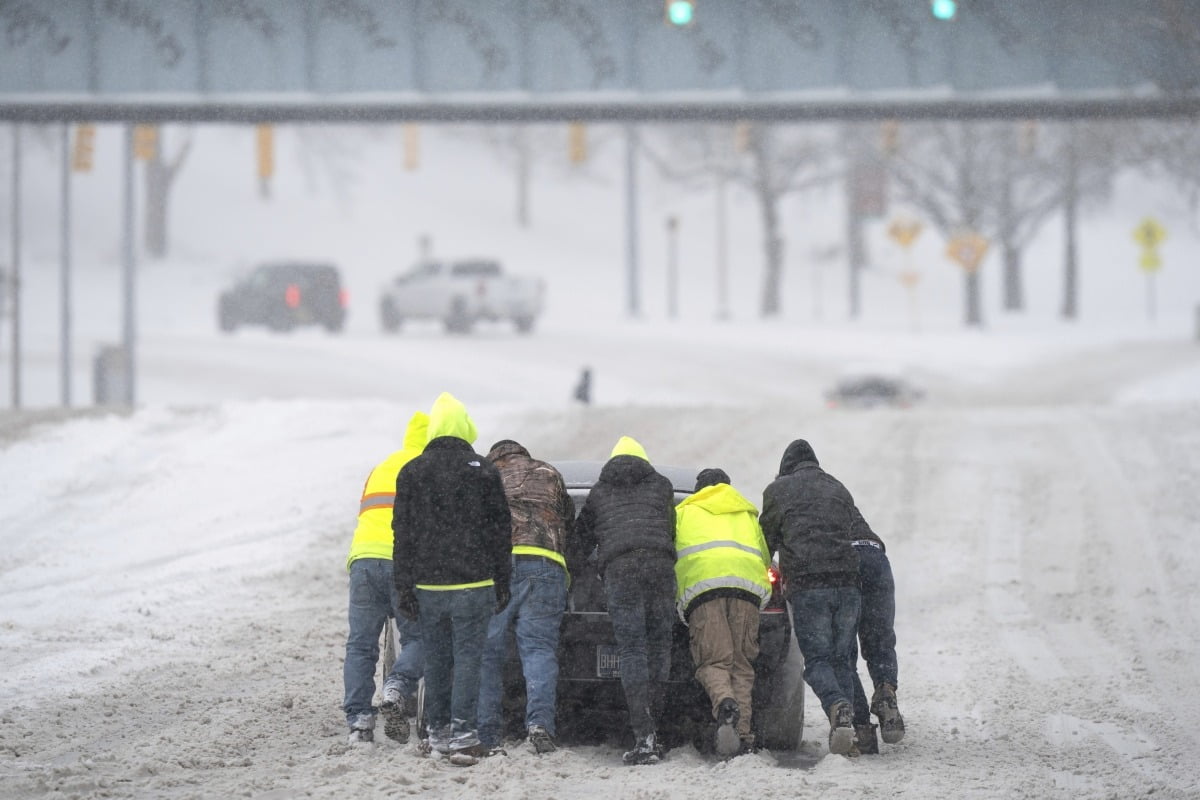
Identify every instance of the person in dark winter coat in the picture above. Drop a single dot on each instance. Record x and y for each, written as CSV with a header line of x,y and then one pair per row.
x,y
628,519
452,536
877,637
543,516
807,516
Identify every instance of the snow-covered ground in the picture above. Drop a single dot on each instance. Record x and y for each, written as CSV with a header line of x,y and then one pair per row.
x,y
172,599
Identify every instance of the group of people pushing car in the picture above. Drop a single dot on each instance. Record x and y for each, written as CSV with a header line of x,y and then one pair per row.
x,y
463,548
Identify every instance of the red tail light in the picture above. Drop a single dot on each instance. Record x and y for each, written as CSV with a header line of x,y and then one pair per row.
x,y
773,575
291,296
343,298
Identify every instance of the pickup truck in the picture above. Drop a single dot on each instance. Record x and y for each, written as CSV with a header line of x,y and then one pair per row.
x,y
461,293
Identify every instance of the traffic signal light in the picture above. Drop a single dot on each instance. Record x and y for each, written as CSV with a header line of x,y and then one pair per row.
x,y
577,150
943,9
145,142
85,141
679,12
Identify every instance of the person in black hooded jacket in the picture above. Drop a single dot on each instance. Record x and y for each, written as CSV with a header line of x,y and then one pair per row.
x,y
628,519
808,516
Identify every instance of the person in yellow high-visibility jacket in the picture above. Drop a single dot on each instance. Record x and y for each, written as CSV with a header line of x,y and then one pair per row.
x,y
373,599
721,561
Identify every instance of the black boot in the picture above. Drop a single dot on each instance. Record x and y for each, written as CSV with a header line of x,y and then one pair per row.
x,y
728,743
865,740
883,705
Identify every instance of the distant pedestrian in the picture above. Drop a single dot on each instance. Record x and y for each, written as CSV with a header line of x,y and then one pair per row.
x,y
543,516
373,599
629,519
877,637
721,562
583,389
451,560
807,516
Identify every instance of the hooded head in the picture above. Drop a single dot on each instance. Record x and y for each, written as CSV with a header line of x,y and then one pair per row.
x,y
797,453
628,446
449,417
710,477
506,447
416,435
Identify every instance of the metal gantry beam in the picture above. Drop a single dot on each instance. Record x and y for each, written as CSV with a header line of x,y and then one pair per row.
x,y
491,110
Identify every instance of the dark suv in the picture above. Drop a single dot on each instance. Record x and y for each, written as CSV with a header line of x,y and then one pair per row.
x,y
285,294
591,703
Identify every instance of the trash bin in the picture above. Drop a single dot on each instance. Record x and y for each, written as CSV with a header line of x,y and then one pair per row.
x,y
109,376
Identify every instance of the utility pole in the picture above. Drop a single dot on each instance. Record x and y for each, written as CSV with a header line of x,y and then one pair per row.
x,y
65,267
16,266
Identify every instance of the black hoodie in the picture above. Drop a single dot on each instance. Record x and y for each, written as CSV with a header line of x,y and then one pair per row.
x,y
808,516
631,507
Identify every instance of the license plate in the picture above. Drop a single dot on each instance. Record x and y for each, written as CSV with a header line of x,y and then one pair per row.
x,y
608,663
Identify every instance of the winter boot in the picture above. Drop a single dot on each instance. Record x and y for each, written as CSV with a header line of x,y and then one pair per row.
x,y
841,728
727,740
541,739
395,723
883,706
645,751
865,740
362,729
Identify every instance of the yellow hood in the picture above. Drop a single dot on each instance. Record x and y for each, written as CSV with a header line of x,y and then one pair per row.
x,y
628,446
449,417
416,435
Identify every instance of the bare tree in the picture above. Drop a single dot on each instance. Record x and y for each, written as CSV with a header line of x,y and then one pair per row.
x,y
160,178
770,161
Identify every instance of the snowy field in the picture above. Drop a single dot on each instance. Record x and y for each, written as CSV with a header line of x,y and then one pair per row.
x,y
172,582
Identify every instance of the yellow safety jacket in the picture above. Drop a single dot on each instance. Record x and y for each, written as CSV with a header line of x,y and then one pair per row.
x,y
719,545
373,535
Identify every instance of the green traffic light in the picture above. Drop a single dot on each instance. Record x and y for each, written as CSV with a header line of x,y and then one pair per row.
x,y
681,12
943,9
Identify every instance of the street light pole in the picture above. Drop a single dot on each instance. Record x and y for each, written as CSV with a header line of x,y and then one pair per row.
x,y
672,267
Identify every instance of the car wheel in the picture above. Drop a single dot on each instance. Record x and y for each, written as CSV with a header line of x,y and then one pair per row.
x,y
334,325
226,319
524,324
782,719
457,321
388,316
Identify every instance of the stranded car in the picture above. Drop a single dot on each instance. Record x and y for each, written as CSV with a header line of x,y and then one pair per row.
x,y
282,295
591,702
460,294
872,391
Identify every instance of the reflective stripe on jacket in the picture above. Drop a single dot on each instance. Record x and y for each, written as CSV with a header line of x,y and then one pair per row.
x,y
719,545
373,535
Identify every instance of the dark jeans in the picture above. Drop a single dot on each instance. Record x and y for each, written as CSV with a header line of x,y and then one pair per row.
x,y
640,590
453,630
826,621
876,626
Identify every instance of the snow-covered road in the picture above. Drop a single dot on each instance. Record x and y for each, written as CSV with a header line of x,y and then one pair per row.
x,y
172,591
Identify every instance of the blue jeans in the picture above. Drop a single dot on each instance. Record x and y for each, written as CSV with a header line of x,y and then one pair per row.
x,y
372,601
539,598
826,621
876,626
640,591
453,627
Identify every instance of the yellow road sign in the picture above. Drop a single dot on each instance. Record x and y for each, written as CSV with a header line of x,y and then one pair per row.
x,y
1150,262
968,249
904,231
1149,233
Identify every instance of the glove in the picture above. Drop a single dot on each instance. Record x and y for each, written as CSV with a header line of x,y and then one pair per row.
x,y
406,604
503,595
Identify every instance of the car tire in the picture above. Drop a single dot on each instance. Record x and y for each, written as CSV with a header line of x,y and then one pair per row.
x,y
389,317
457,321
226,318
782,725
524,324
